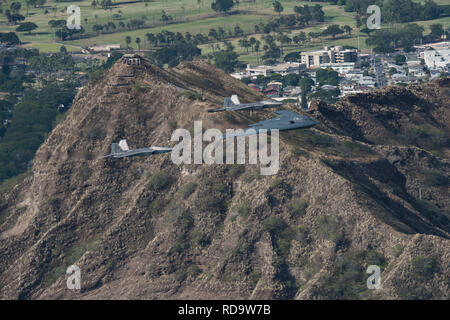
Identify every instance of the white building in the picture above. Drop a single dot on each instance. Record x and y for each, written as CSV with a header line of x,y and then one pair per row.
x,y
341,68
315,59
437,59
281,68
105,48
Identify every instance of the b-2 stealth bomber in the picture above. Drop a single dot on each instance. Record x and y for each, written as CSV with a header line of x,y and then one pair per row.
x,y
288,120
121,150
233,104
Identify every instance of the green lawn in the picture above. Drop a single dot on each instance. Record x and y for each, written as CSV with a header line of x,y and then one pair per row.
x,y
181,10
198,18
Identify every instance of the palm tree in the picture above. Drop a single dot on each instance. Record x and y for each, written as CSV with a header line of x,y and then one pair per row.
x,y
128,41
151,39
138,42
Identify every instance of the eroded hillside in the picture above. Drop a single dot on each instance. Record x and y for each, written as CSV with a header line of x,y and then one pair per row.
x,y
367,186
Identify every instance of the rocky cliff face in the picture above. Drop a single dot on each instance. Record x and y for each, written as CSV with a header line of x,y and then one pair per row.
x,y
369,186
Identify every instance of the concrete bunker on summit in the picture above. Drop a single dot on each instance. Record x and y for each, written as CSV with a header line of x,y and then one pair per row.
x,y
131,59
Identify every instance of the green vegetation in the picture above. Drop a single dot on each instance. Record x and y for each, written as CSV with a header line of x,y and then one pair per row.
x,y
353,149
436,179
327,76
424,266
297,25
254,277
8,184
396,10
183,225
235,170
282,236
329,227
30,104
4,215
432,213
33,119
299,152
243,210
348,281
174,53
374,257
188,189
159,181
300,233
200,238
211,203
95,133
279,183
226,60
222,5
54,202
69,259
155,207
192,95
297,207
397,250
386,41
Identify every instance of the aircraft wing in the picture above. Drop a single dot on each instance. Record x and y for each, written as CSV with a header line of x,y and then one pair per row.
x,y
278,123
248,106
160,149
248,132
284,115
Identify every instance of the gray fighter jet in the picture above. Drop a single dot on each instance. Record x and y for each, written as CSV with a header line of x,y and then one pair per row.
x,y
233,104
288,120
121,150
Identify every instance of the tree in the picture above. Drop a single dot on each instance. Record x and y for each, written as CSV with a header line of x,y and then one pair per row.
x,y
436,31
151,39
222,5
358,21
277,7
226,60
238,31
400,59
244,43
27,27
15,7
138,42
9,38
327,76
97,28
128,41
347,29
306,84
332,30
213,33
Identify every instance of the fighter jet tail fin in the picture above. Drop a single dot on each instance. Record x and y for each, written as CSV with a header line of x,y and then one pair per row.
x,y
115,148
227,103
119,147
231,102
235,99
124,145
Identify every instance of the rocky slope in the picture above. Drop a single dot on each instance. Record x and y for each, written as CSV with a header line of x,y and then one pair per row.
x,y
367,186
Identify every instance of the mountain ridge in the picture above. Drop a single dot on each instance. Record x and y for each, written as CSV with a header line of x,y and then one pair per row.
x,y
148,229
